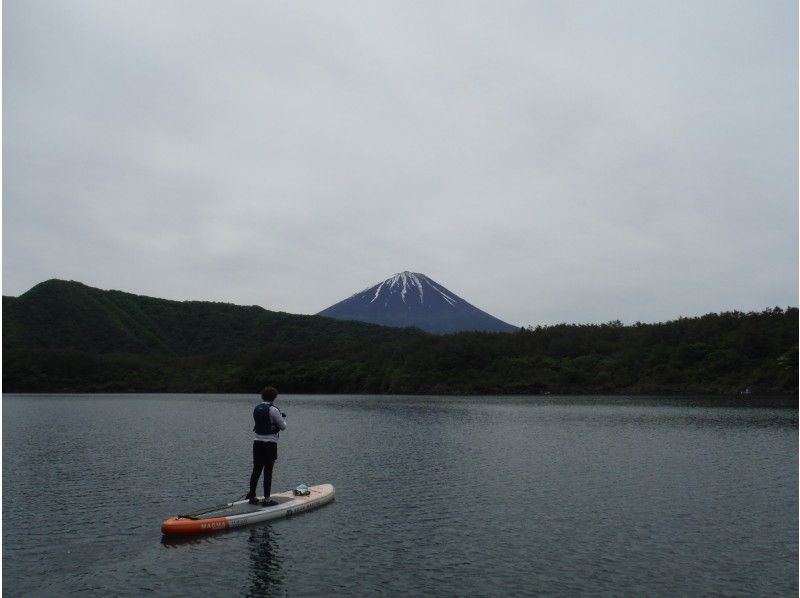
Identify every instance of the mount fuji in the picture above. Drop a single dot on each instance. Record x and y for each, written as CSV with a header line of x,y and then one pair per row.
x,y
413,299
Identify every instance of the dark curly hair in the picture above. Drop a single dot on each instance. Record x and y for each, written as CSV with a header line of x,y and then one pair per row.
x,y
269,393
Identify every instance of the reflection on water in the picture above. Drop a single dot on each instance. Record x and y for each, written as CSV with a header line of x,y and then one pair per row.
x,y
265,562
191,539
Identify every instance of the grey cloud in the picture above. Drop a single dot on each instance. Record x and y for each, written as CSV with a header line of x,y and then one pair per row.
x,y
548,161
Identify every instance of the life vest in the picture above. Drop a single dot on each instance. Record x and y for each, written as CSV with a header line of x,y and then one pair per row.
x,y
264,424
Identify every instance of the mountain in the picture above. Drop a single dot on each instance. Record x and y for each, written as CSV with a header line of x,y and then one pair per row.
x,y
68,337
69,315
413,299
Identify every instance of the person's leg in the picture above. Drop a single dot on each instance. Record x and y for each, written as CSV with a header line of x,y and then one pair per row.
x,y
269,462
258,465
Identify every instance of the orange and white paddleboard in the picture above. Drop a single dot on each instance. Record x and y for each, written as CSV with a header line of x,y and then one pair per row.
x,y
241,512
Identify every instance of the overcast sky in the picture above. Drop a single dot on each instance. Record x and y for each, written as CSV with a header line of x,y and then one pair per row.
x,y
548,161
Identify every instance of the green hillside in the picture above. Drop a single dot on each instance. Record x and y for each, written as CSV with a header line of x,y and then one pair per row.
x,y
68,337
59,314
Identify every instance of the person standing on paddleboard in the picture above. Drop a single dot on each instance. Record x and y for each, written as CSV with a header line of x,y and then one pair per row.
x,y
269,422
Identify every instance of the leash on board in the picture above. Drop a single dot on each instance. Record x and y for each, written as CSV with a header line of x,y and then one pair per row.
x,y
196,514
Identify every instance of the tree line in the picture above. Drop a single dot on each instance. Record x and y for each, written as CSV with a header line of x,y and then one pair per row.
x,y
95,341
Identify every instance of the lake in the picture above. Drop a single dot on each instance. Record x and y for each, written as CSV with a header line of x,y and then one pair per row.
x,y
435,496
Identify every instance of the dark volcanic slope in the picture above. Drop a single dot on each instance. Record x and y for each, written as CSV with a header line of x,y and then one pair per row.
x,y
413,299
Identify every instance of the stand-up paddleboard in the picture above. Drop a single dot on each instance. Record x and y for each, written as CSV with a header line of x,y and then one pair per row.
x,y
241,512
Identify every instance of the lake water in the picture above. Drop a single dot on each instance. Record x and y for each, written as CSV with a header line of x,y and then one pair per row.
x,y
434,496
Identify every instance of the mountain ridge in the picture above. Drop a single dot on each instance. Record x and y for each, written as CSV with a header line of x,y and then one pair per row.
x,y
59,314
68,337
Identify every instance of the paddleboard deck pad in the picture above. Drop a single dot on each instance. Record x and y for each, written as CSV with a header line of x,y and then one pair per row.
x,y
241,512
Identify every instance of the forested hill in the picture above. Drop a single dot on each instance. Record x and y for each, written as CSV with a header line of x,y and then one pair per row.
x,y
68,337
61,314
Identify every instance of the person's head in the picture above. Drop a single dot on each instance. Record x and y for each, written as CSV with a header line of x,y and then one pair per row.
x,y
269,394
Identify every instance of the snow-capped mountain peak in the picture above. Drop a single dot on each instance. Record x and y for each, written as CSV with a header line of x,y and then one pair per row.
x,y
412,299
402,282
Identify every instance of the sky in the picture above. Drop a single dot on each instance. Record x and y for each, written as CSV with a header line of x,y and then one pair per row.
x,y
548,161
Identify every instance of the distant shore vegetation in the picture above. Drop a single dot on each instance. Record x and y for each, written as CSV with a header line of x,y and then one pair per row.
x,y
67,337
